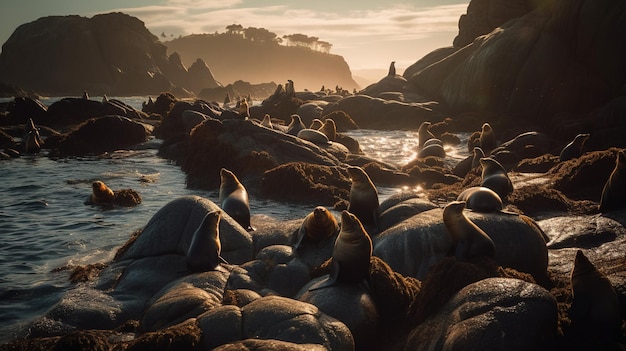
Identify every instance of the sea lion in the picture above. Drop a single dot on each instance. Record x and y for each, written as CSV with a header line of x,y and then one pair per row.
x,y
226,100
31,140
205,247
316,123
470,240
296,125
313,135
423,134
614,191
101,194
595,307
478,154
494,177
330,129
432,149
105,99
487,139
290,90
481,199
85,95
574,149
433,141
363,196
267,121
392,69
244,108
317,226
351,254
233,198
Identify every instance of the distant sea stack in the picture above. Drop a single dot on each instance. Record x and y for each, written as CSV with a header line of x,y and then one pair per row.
x,y
111,54
234,57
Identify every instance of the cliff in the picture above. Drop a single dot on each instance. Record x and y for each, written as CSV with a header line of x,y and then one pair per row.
x,y
111,54
232,58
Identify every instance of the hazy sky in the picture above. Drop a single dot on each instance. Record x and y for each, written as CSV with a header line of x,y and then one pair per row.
x,y
367,33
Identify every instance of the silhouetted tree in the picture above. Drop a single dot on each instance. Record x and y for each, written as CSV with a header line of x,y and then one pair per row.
x,y
234,28
259,34
306,41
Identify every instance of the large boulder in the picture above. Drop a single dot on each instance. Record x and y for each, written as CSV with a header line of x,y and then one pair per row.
x,y
545,68
375,113
99,135
415,244
495,314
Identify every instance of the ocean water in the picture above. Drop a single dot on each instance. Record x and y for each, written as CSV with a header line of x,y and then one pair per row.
x,y
46,229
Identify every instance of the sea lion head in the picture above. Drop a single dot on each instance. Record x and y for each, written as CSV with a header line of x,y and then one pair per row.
x,y
321,225
357,174
316,124
491,166
580,139
330,129
452,211
486,128
228,183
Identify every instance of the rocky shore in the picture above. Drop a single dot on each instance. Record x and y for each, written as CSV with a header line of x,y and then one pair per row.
x,y
538,265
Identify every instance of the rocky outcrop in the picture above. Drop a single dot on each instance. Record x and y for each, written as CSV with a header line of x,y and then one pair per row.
x,y
112,54
238,89
549,68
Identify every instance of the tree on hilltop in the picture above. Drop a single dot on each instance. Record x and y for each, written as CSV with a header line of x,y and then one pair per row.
x,y
260,35
306,41
234,29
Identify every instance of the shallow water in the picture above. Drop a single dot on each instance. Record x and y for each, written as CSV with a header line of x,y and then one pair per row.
x,y
45,225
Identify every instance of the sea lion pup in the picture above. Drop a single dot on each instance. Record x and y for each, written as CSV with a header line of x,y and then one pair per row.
x,y
595,310
351,254
494,177
574,149
244,109
363,196
330,129
233,198
423,134
481,199
296,125
487,139
316,123
470,240
205,247
101,194
614,192
317,226
267,121
392,69
31,140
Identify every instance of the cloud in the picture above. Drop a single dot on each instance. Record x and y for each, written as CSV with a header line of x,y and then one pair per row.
x,y
348,31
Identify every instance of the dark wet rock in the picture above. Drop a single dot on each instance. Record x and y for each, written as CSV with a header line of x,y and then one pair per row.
x,y
6,140
483,16
402,211
342,120
537,200
540,164
396,84
22,108
170,231
185,337
412,246
99,135
249,150
547,42
174,125
306,183
584,177
374,113
162,106
382,175
497,313
273,317
238,88
260,344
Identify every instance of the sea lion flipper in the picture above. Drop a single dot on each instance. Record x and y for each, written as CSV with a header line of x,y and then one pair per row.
x,y
330,281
